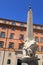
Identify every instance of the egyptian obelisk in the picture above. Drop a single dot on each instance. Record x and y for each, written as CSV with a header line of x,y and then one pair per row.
x,y
30,45
29,32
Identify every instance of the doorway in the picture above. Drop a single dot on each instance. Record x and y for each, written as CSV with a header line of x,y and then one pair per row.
x,y
19,62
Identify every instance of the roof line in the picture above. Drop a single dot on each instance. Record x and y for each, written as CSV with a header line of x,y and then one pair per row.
x,y
11,20
19,21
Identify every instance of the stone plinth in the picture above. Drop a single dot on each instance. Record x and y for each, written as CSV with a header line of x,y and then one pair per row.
x,y
30,61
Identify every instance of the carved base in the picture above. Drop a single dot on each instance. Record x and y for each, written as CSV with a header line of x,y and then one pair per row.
x,y
30,61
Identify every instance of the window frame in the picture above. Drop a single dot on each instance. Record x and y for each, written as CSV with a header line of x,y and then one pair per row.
x,y
41,48
3,26
41,39
2,34
21,36
36,39
11,45
11,35
2,44
8,61
20,46
12,28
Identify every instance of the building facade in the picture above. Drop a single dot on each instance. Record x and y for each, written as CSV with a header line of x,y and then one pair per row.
x,y
12,36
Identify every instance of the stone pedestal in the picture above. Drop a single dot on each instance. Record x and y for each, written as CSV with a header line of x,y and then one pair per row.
x,y
30,61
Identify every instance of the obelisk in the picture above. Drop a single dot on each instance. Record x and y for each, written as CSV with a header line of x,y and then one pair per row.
x,y
29,42
29,32
30,45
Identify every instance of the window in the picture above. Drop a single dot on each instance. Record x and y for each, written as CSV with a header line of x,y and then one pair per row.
x,y
21,36
38,48
14,23
11,45
42,49
1,44
21,24
12,35
3,27
8,61
41,32
21,28
19,62
20,46
41,39
36,32
9,54
36,39
2,34
12,28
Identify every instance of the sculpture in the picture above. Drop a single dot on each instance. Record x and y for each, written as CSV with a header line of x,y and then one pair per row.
x,y
30,45
30,48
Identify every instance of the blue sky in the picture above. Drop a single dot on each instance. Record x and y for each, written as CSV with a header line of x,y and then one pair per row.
x,y
17,10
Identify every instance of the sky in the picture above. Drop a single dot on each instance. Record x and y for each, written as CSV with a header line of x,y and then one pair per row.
x,y
17,10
